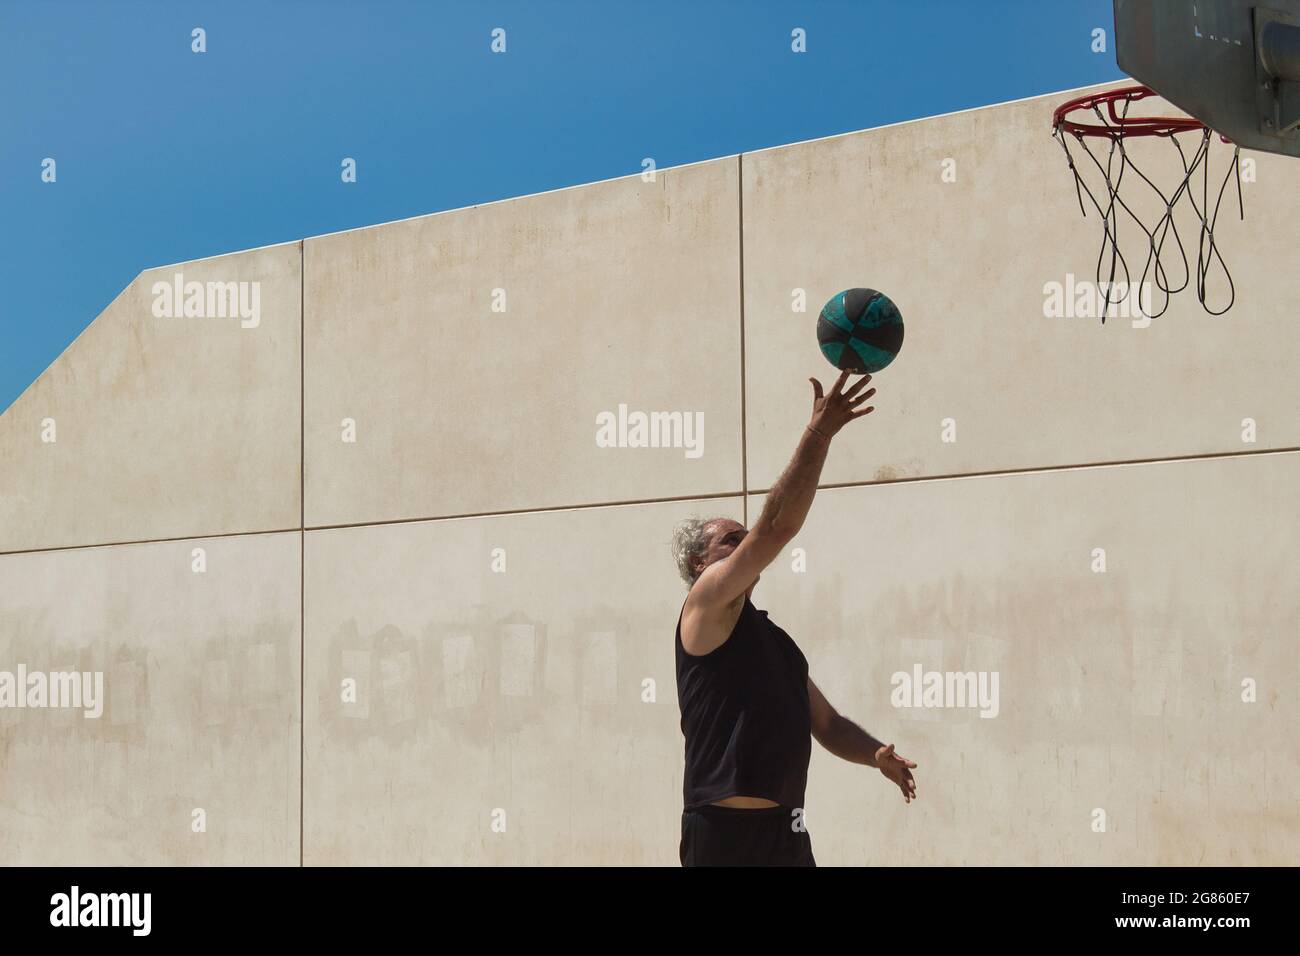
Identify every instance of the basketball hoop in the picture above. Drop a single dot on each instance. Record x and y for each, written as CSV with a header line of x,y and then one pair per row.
x,y
1117,127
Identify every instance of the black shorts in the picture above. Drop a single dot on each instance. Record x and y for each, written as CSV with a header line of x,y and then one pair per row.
x,y
729,836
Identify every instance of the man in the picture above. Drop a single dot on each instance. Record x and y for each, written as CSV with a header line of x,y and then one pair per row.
x,y
748,705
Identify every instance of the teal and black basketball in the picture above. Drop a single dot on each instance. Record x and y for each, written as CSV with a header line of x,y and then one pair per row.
x,y
860,330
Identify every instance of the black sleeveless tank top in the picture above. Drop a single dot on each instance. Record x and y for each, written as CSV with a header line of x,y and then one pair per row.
x,y
745,715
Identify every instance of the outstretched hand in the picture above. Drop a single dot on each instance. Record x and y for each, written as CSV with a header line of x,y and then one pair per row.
x,y
832,412
898,770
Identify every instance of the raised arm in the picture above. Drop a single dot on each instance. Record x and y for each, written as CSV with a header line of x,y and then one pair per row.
x,y
724,581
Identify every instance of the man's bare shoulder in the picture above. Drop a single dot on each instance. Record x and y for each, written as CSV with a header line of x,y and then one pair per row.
x,y
705,629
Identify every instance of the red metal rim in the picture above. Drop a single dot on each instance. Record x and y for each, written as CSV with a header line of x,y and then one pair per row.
x,y
1124,127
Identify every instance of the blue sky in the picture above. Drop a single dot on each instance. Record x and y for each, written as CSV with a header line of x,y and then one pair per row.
x,y
165,155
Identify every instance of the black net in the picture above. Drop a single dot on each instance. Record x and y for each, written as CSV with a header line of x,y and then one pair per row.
x,y
1115,164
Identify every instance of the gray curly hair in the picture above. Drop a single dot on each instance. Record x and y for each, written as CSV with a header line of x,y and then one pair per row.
x,y
690,540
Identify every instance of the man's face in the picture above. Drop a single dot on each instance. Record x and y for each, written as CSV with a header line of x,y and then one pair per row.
x,y
724,536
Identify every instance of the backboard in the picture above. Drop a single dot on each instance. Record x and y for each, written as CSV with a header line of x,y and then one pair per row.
x,y
1232,64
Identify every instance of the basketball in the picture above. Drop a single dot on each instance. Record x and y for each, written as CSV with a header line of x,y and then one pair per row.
x,y
860,330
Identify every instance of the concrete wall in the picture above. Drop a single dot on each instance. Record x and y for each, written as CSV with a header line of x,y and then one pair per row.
x,y
152,427
967,262
599,288
513,665
200,705
398,489
1119,692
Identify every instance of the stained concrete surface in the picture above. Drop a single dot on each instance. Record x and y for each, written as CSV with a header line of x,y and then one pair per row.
x,y
201,704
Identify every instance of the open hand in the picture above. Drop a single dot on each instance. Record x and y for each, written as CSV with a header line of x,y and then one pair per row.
x,y
832,412
898,770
